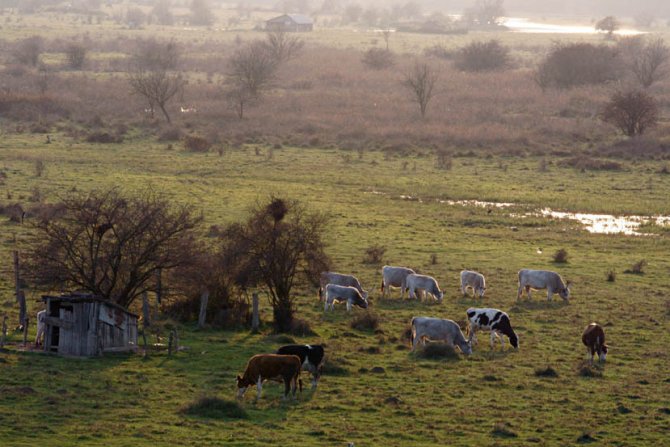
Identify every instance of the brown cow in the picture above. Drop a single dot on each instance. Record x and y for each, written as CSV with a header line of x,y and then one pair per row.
x,y
594,339
262,367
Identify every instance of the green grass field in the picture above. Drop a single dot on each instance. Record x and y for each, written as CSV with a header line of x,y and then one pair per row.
x,y
490,398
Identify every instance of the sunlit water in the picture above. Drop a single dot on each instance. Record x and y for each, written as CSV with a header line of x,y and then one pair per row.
x,y
521,25
593,223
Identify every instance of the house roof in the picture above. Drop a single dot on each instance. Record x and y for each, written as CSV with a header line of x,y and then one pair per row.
x,y
299,19
78,297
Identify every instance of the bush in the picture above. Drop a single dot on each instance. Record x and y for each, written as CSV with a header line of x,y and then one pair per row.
x,y
546,372
444,160
170,134
637,268
439,52
75,55
374,254
378,58
194,143
632,112
103,137
366,321
438,351
561,256
483,56
611,276
28,50
215,408
570,65
586,163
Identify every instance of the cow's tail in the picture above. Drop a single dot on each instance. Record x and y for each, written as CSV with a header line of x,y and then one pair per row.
x,y
382,287
413,333
320,292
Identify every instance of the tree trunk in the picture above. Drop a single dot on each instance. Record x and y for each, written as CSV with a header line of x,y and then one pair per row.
x,y
283,318
255,320
204,298
167,117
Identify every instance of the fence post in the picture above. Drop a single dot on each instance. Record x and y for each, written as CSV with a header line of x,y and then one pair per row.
x,y
146,310
23,317
170,339
4,331
255,319
159,287
17,289
25,331
204,298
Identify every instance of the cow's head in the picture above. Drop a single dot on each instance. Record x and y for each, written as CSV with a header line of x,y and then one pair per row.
x,y
565,293
514,340
241,387
482,291
603,352
361,302
440,295
365,294
466,347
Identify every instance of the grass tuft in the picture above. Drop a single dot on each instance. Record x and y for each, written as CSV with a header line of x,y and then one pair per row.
x,y
589,371
637,268
503,430
546,372
366,321
586,438
215,408
561,256
435,351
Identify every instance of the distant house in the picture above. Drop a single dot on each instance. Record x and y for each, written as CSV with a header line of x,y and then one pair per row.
x,y
84,325
290,22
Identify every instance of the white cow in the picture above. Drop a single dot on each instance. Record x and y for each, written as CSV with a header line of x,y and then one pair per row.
x,y
343,293
543,279
341,280
427,284
493,320
394,277
438,329
41,327
474,281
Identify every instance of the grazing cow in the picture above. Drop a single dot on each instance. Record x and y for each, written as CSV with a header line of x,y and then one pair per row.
x,y
41,327
425,284
594,339
543,279
474,281
311,357
341,280
395,277
438,329
351,295
493,320
262,367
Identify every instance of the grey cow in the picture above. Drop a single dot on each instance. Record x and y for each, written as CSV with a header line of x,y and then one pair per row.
x,y
439,329
341,280
543,279
395,277
427,284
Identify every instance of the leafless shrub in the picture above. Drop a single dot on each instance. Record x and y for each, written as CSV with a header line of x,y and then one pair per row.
x,y
611,276
444,160
103,137
366,321
378,58
28,51
650,63
75,54
171,133
282,45
420,81
195,143
561,256
252,68
632,112
374,254
637,268
574,64
608,24
483,56
40,167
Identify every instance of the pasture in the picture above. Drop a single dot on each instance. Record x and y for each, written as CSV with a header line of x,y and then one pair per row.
x,y
348,141
373,391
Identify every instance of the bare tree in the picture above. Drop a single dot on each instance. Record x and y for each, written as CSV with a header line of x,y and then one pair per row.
x,y
111,244
283,46
608,24
485,13
277,246
632,112
251,70
75,55
420,81
649,65
152,75
28,50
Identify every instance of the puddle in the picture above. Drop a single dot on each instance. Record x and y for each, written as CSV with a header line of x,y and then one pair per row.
x,y
522,25
593,223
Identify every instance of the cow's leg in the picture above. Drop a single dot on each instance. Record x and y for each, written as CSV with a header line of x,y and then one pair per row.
x,y
519,292
550,293
502,341
259,387
325,304
287,386
463,289
528,292
348,305
493,337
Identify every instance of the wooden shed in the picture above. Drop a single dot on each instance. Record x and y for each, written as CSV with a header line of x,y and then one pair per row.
x,y
290,22
86,325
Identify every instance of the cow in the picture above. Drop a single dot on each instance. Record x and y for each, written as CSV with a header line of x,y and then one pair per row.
x,y
425,284
594,339
438,329
474,281
341,280
311,358
41,327
493,320
343,293
394,277
262,367
543,279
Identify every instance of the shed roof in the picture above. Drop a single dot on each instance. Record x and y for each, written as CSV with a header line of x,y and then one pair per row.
x,y
299,19
78,297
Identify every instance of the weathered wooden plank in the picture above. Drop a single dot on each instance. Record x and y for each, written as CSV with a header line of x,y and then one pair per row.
x,y
58,322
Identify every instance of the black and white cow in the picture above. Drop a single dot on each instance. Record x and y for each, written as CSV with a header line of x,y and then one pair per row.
x,y
311,357
493,320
